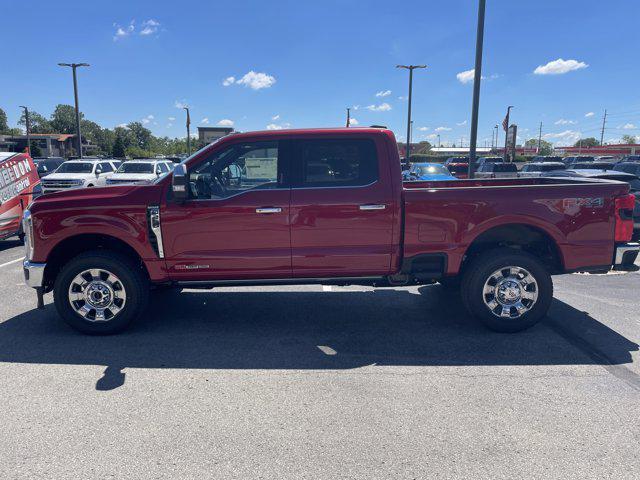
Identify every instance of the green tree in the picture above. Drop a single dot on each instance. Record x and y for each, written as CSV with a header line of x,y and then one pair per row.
x,y
35,150
545,147
4,125
63,119
587,142
118,150
37,123
628,139
102,137
141,135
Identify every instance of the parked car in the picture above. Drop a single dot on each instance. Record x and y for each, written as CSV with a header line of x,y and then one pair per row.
x,y
569,161
497,170
628,167
79,173
546,158
100,251
630,158
594,165
428,172
47,165
140,171
535,169
458,166
483,160
19,184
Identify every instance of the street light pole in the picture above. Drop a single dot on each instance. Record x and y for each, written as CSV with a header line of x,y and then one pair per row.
x,y
411,68
28,126
438,140
348,117
188,131
74,66
477,76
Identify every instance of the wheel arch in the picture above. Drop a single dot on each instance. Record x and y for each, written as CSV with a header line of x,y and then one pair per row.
x,y
72,246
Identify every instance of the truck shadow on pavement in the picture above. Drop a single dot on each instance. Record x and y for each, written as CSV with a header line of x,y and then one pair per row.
x,y
310,330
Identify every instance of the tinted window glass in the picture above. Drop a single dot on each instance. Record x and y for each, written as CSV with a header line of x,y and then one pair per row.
x,y
505,167
76,167
236,169
334,163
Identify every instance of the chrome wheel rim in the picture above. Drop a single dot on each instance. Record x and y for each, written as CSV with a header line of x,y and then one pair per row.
x,y
97,295
510,292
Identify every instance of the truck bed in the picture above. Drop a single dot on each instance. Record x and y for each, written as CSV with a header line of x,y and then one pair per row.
x,y
446,217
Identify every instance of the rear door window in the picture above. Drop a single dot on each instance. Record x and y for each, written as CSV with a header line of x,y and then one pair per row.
x,y
335,163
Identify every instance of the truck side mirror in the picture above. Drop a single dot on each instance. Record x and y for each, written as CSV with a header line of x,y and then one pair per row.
x,y
179,183
98,172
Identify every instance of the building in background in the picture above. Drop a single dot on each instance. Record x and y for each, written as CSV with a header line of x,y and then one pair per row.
x,y
207,135
615,150
50,144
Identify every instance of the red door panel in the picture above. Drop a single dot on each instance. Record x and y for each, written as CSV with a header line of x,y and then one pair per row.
x,y
228,238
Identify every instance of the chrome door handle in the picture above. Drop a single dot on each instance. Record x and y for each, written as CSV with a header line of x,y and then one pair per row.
x,y
268,210
372,207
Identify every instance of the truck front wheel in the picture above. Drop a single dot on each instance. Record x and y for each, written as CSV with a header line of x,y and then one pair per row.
x,y
100,292
509,291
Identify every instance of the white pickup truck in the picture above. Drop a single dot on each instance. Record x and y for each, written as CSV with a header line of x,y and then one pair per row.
x,y
140,171
80,173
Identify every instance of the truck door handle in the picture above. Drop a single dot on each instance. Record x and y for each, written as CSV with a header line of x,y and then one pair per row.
x,y
268,210
372,207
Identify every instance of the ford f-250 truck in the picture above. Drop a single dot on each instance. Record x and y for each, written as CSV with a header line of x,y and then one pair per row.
x,y
320,206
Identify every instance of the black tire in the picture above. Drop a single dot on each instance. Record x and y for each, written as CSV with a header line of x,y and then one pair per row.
x,y
450,283
132,280
480,271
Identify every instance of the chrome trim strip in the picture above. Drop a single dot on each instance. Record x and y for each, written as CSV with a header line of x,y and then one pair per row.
x,y
269,210
156,227
33,273
373,207
622,249
281,281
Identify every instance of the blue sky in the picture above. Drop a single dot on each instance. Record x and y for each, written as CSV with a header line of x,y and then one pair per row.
x,y
299,64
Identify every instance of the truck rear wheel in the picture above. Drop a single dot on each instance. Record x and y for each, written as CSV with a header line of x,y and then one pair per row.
x,y
509,291
100,292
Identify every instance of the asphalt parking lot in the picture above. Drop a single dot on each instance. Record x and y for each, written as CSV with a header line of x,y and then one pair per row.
x,y
322,382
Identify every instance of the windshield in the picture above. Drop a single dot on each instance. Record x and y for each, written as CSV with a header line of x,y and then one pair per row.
x,y
135,167
421,170
75,167
506,167
635,185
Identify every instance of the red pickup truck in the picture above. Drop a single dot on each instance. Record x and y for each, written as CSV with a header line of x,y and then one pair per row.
x,y
320,206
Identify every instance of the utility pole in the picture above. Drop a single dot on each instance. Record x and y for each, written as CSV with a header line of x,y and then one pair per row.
x,y
28,127
539,138
506,132
188,131
74,66
438,140
348,117
477,77
604,122
496,129
411,68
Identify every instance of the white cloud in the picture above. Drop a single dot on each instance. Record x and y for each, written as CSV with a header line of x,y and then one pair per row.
x,y
205,121
432,136
383,107
169,125
122,125
122,32
562,121
146,120
180,104
443,129
228,81
402,98
225,122
171,119
275,126
355,107
466,76
559,67
423,129
353,121
589,114
567,137
629,126
462,124
275,117
383,93
257,80
149,27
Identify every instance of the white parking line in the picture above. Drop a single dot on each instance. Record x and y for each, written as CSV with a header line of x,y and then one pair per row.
x,y
326,288
12,261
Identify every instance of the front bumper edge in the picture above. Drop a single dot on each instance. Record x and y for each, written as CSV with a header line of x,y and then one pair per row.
x,y
33,273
